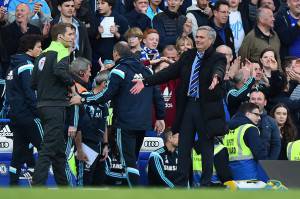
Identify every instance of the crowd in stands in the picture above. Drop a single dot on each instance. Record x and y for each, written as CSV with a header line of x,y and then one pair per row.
x,y
261,88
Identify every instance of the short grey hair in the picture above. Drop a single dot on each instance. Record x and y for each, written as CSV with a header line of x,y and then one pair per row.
x,y
210,31
101,76
260,13
79,64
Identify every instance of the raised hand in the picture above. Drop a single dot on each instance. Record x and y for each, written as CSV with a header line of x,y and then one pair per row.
x,y
273,64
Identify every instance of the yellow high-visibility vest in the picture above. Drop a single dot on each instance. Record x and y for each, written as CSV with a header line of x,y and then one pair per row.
x,y
234,142
293,151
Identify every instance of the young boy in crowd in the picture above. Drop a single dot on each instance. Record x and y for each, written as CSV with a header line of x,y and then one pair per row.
x,y
149,54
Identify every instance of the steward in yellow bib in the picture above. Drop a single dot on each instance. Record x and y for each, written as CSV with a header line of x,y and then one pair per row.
x,y
244,144
221,171
293,151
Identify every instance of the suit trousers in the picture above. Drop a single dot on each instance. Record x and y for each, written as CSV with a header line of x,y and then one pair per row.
x,y
192,123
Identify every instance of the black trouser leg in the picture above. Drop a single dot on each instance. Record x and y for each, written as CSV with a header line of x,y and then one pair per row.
x,y
221,162
129,143
53,146
186,140
193,122
26,131
17,155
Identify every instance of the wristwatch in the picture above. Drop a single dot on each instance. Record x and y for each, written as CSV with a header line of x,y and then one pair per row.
x,y
82,100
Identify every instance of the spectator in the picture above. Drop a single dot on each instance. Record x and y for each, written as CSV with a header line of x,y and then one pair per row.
x,y
269,131
12,33
168,89
268,61
171,53
153,8
149,54
22,101
84,14
261,37
40,12
162,163
243,161
287,25
134,37
288,131
137,17
182,9
82,46
121,6
183,44
239,22
51,79
103,46
169,24
219,23
286,85
266,3
229,57
243,82
131,125
199,14
272,73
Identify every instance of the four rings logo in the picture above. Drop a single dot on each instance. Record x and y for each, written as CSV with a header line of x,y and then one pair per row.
x,y
150,143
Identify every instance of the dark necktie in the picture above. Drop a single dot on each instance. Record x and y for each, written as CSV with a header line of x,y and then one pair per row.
x,y
194,83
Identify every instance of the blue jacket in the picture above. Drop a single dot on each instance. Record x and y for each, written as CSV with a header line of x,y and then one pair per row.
x,y
21,97
132,112
270,135
247,169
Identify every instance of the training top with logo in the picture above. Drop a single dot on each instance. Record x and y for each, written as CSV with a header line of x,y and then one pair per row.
x,y
162,167
132,112
20,96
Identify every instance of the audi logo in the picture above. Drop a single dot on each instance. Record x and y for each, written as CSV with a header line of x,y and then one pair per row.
x,y
151,143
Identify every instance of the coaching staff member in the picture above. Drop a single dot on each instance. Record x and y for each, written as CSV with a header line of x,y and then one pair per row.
x,y
199,101
52,80
132,112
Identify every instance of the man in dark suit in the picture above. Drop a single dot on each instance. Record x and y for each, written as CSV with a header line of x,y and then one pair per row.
x,y
199,101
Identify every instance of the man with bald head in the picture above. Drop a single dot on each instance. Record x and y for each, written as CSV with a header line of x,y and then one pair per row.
x,y
13,32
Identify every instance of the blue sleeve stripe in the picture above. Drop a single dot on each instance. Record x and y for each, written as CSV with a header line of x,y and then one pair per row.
x,y
24,68
158,163
2,81
76,115
118,72
235,92
96,97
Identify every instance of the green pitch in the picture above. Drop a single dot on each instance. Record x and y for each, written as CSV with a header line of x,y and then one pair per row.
x,y
115,193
